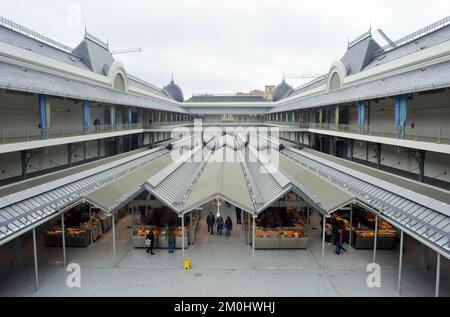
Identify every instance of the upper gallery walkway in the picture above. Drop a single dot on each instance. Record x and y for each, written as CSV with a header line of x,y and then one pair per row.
x,y
18,139
434,139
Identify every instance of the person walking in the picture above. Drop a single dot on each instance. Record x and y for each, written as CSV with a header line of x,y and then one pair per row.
x,y
335,226
238,216
150,241
170,235
228,227
210,220
340,242
219,223
328,233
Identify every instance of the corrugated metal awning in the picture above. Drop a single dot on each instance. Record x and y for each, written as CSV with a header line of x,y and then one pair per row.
x,y
324,194
114,195
221,179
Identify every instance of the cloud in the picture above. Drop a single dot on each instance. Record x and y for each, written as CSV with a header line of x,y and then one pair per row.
x,y
225,46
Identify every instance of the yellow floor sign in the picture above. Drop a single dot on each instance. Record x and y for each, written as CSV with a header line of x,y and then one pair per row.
x,y
187,264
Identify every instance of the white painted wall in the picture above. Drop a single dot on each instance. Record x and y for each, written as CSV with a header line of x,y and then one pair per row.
x,y
435,163
10,163
18,111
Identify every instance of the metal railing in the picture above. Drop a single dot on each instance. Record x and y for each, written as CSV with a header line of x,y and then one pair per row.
x,y
16,135
419,33
437,134
34,35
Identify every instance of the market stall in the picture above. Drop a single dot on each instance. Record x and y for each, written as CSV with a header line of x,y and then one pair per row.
x,y
281,227
83,226
364,232
158,220
78,229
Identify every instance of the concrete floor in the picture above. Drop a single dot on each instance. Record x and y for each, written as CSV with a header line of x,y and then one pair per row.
x,y
219,268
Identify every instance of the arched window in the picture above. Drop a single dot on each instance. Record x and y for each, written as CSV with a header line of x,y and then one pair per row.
x,y
119,82
335,82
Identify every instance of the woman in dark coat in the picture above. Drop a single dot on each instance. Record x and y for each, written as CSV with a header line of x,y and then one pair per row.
x,y
228,227
150,236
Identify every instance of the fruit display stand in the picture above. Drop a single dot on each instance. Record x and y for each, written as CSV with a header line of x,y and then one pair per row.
x,y
364,239
281,238
74,237
364,233
292,236
140,233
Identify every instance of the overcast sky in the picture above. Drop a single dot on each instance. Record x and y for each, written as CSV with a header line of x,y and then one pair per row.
x,y
224,45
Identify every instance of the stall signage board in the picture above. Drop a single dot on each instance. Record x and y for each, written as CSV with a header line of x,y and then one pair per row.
x,y
295,203
147,203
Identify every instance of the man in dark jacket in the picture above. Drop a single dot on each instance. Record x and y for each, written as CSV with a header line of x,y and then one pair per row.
x,y
228,227
238,216
150,237
210,220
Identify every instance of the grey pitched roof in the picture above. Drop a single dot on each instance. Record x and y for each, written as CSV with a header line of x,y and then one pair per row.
x,y
432,77
310,85
14,38
426,41
139,83
360,55
18,78
282,91
95,56
223,98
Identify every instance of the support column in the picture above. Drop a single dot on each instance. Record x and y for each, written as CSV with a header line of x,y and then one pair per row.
x,y
129,116
323,242
132,218
400,264
36,273
86,116
43,116
379,156
112,117
248,228
367,151
182,235
438,274
90,219
253,241
114,239
307,220
422,166
99,149
351,149
85,151
375,240
63,232
350,238
23,160
191,229
17,256
69,154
